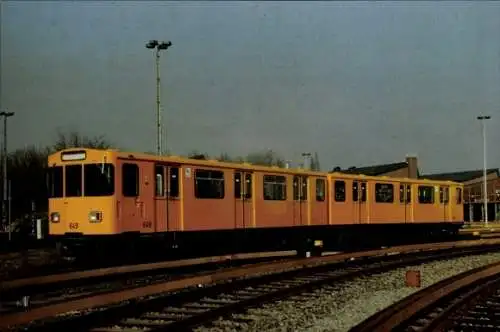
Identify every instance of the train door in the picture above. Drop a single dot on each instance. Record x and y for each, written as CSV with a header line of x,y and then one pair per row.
x,y
131,209
243,199
167,202
405,200
444,201
360,211
300,191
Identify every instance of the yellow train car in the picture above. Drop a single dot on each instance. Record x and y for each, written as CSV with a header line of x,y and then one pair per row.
x,y
120,198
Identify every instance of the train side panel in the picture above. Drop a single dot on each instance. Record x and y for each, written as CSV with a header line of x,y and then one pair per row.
x,y
274,206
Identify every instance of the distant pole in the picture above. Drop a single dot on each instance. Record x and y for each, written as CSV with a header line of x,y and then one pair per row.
x,y
9,218
4,166
158,46
482,118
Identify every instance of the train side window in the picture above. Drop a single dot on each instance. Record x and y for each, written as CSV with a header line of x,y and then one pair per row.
x,y
130,180
401,193
444,194
459,195
174,182
363,191
209,184
320,190
408,193
355,193
425,194
384,193
237,185
248,185
74,180
274,188
159,183
300,188
339,191
55,181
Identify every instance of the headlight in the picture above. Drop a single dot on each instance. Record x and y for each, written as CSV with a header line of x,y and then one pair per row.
x,y
55,217
95,216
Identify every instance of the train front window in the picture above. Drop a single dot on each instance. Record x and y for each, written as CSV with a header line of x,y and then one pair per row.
x,y
99,179
73,180
55,181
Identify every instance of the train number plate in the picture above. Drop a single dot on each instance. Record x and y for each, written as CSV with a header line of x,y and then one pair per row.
x,y
73,225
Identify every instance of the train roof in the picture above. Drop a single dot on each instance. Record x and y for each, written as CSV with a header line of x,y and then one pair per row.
x,y
97,155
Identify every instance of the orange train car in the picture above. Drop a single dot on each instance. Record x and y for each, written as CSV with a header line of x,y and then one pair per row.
x,y
118,198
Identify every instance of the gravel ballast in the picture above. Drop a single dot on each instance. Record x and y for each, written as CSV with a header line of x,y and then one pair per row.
x,y
339,307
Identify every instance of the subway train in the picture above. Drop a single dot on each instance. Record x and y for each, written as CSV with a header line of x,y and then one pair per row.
x,y
124,202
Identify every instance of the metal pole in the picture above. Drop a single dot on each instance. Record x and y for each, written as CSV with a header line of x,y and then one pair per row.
x,y
158,111
9,214
484,175
4,175
482,118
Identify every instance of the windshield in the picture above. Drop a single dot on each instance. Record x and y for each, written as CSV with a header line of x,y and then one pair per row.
x,y
98,180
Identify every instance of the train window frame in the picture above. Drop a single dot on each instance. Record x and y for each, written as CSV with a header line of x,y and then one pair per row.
x,y
274,187
93,186
130,180
55,181
320,190
73,183
382,195
209,184
339,188
423,199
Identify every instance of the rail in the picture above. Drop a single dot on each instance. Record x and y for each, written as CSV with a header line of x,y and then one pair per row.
x,y
444,306
237,276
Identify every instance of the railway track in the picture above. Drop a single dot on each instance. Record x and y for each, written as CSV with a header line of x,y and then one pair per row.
x,y
184,304
467,302
30,293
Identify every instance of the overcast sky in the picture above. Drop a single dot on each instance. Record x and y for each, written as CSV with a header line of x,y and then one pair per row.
x,y
360,83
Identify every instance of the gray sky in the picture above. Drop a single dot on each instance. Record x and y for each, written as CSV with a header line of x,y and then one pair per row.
x,y
360,83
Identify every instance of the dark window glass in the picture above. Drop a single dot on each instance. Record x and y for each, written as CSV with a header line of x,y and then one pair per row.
x,y
384,193
130,180
363,191
99,180
248,185
274,187
209,184
459,195
320,190
444,193
425,194
174,182
339,191
402,193
300,188
55,181
408,193
237,185
355,194
159,181
73,180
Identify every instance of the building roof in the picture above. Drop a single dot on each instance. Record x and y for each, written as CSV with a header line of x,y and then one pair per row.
x,y
463,176
375,169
